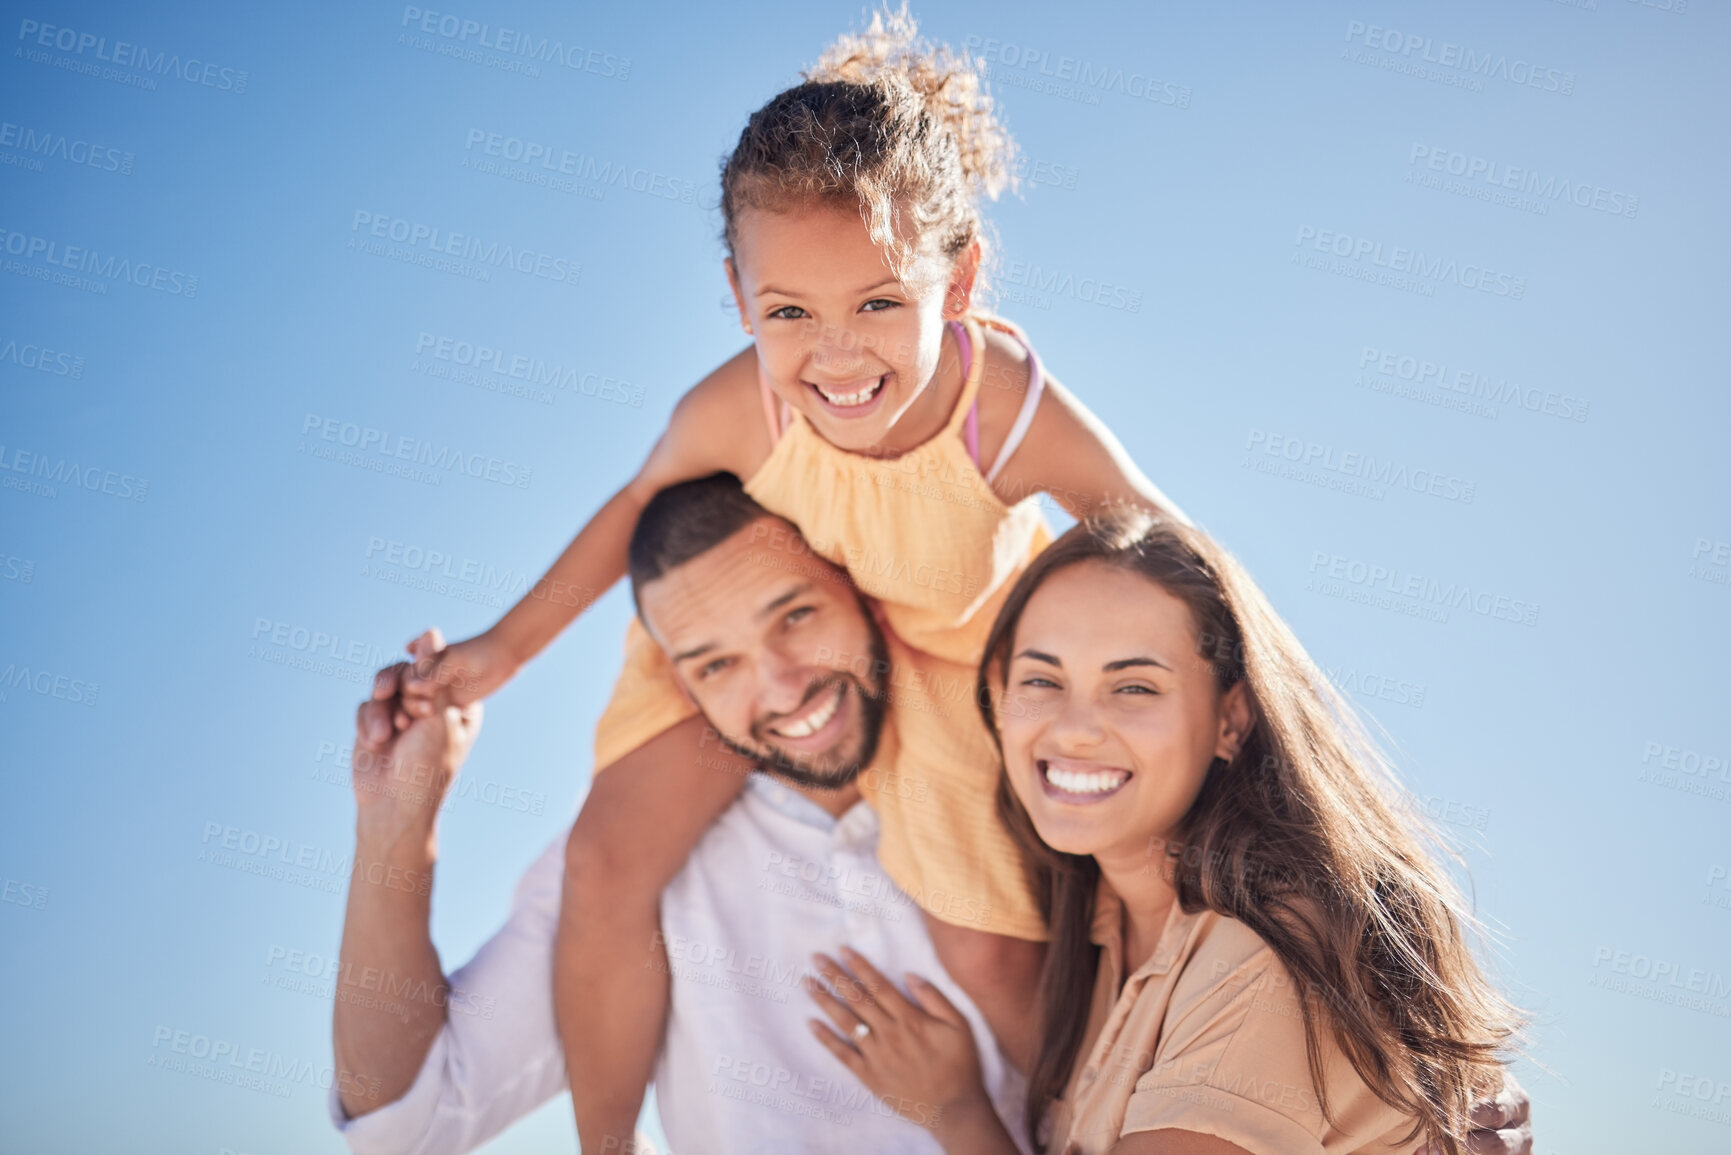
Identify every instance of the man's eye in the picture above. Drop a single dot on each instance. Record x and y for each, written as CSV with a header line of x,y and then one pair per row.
x,y
786,313
796,616
709,669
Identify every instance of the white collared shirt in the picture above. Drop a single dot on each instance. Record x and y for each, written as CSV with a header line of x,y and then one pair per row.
x,y
773,881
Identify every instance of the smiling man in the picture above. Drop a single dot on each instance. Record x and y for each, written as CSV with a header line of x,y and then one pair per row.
x,y
796,680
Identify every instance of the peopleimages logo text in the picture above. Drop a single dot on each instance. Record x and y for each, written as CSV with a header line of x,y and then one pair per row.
x,y
513,42
28,247
452,459
127,55
58,146
466,247
1412,262
1448,54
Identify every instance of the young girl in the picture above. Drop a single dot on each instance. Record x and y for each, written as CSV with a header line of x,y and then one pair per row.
x,y
862,414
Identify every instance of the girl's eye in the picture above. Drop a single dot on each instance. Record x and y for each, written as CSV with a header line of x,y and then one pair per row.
x,y
884,301
785,313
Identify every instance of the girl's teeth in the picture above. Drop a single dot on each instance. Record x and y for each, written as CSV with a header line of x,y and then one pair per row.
x,y
1077,782
857,398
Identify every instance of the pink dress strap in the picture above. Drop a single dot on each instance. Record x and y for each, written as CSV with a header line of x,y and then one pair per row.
x,y
971,424
1024,417
775,413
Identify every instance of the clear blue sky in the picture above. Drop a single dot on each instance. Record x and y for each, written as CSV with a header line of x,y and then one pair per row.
x,y
1411,303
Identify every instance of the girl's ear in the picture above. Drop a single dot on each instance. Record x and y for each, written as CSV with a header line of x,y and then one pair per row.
x,y
738,294
959,294
1235,722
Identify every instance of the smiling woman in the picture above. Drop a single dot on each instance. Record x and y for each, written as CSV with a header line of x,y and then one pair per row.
x,y
1251,941
1254,949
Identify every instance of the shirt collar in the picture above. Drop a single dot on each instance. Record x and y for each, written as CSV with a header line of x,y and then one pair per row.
x,y
859,821
1107,930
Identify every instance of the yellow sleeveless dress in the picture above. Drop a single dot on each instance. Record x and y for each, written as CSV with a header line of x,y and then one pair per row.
x,y
924,535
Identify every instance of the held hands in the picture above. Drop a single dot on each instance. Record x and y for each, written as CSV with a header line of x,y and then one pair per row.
x,y
917,1054
438,675
403,767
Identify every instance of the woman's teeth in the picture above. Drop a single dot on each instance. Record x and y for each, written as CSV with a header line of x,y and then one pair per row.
x,y
1085,781
813,722
858,397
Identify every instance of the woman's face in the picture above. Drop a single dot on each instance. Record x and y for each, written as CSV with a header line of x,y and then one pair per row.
x,y
839,336
1111,717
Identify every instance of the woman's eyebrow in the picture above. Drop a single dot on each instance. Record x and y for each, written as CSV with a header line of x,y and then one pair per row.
x,y
1127,663
1038,656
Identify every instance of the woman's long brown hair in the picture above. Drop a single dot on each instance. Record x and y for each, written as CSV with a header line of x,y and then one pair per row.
x,y
1300,837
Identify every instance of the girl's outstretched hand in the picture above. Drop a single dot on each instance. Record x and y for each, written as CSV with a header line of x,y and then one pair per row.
x,y
457,674
916,1054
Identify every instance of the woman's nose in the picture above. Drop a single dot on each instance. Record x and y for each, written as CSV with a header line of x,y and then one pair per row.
x,y
1076,724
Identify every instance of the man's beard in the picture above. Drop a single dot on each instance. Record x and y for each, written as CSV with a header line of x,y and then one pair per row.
x,y
826,771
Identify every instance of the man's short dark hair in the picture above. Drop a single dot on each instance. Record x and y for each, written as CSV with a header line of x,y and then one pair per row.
x,y
687,520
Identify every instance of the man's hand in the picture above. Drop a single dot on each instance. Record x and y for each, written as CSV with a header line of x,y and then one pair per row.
x,y
1500,1125
400,778
402,766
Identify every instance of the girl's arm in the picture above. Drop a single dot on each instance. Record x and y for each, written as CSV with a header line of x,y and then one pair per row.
x,y
1068,453
717,425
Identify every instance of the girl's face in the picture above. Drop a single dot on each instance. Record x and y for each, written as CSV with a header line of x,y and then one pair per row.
x,y
1111,717
839,336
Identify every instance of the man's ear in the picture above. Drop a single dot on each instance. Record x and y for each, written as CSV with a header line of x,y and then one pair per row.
x,y
876,609
959,294
738,293
1236,719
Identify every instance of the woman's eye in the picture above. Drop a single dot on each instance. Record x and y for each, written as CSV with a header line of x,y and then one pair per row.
x,y
1138,689
1039,683
786,313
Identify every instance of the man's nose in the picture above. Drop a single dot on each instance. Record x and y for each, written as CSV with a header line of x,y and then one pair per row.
x,y
782,682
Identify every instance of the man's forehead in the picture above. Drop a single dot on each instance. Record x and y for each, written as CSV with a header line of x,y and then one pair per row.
x,y
726,587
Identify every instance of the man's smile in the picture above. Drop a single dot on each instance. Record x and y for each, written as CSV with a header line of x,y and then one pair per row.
x,y
818,714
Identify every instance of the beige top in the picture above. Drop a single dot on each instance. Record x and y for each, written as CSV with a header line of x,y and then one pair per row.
x,y
923,533
1208,1036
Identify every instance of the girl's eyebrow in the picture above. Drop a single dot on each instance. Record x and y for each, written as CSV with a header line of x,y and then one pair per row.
x,y
767,290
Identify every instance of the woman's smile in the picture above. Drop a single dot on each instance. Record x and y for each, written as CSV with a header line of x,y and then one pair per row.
x,y
1079,783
